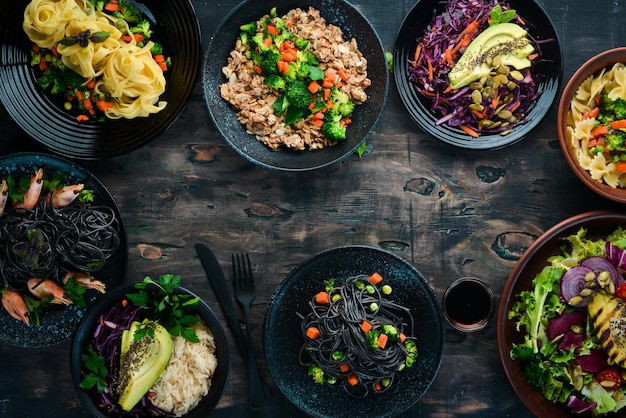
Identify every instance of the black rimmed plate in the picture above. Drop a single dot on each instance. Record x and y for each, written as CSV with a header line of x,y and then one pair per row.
x,y
87,326
365,116
59,322
41,115
283,338
549,69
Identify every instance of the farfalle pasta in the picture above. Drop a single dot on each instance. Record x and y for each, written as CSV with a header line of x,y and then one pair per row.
x,y
581,121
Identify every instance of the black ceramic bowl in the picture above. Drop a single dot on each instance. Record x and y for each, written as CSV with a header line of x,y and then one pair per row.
x,y
420,108
57,323
283,338
85,332
41,115
337,12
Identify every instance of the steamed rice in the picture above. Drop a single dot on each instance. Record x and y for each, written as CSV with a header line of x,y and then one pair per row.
x,y
187,377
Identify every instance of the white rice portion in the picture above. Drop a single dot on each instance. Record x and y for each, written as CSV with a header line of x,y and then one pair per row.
x,y
187,377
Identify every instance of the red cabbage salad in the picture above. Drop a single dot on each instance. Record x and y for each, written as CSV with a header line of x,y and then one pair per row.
x,y
569,341
498,97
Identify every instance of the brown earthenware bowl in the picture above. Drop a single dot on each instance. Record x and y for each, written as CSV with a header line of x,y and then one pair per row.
x,y
599,224
594,65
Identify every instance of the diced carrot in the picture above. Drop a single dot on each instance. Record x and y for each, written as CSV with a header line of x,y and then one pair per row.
x,y
402,337
289,56
256,69
593,113
103,105
366,326
326,94
79,95
377,386
112,6
124,303
162,65
322,298
347,121
318,115
267,42
87,104
283,67
469,131
342,73
54,50
618,124
82,118
272,30
353,380
329,104
159,58
138,37
621,166
286,45
125,38
318,122
382,340
314,86
533,56
327,84
598,99
36,48
313,333
43,65
344,367
600,130
375,278
90,84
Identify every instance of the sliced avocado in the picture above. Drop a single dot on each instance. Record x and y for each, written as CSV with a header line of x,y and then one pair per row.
x,y
501,39
142,362
513,61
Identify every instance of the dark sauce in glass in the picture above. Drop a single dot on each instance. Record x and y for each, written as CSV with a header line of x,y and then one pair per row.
x,y
468,303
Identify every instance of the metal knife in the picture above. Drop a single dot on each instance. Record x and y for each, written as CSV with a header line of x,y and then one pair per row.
x,y
215,274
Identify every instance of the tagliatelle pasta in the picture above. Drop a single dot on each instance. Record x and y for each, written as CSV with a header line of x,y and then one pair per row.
x,y
612,82
118,67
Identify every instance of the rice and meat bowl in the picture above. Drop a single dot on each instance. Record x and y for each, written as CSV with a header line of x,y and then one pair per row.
x,y
252,99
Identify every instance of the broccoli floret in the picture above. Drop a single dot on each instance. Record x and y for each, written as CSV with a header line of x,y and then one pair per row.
x,y
266,60
300,43
329,284
98,4
319,104
60,81
337,355
620,108
298,94
615,141
128,11
391,332
371,338
332,127
259,40
157,49
274,81
316,373
341,102
143,28
249,28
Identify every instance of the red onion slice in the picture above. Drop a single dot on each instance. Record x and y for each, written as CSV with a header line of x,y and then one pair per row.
x,y
599,264
573,282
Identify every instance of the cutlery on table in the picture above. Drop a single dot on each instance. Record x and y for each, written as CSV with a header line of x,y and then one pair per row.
x,y
243,282
217,280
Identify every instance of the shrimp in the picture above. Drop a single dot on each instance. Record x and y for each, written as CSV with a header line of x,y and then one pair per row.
x,y
32,194
65,195
14,304
85,280
46,289
4,195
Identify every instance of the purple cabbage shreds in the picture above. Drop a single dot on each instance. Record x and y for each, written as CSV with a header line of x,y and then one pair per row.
x,y
429,72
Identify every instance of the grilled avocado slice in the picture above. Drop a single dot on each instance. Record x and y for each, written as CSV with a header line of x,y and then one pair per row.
x,y
608,317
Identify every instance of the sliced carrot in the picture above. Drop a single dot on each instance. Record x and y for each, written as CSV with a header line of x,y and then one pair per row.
x,y
469,131
618,124
113,6
125,38
272,30
159,58
255,68
289,56
313,333
314,86
87,104
162,65
283,67
54,50
326,94
375,278
267,42
344,367
318,115
353,380
515,106
621,166
593,113
79,95
82,118
365,326
138,37
382,340
318,122
103,105
322,298
601,130
343,74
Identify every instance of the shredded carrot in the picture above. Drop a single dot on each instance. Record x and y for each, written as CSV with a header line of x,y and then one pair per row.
x,y
494,102
480,115
521,21
82,118
618,124
418,52
272,30
621,166
344,367
533,56
382,340
447,56
515,106
430,70
469,131
353,380
600,130
322,298
375,278
314,87
365,326
313,333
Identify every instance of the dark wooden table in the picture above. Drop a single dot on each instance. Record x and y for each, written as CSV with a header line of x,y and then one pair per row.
x,y
188,186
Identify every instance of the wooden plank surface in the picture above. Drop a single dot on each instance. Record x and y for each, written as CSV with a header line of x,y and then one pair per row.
x,y
448,211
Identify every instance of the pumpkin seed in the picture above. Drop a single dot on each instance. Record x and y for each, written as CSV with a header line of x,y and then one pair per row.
x,y
504,69
504,114
511,85
575,301
506,132
476,106
496,61
476,85
477,97
586,292
516,75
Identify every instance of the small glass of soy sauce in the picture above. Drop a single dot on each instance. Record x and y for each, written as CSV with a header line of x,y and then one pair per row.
x,y
468,304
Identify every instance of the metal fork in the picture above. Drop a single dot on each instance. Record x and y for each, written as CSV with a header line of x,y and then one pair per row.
x,y
245,292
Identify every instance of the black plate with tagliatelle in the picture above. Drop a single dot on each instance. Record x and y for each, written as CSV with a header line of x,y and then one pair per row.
x,y
104,119
63,243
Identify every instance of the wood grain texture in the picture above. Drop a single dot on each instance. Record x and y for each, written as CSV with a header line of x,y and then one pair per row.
x,y
448,211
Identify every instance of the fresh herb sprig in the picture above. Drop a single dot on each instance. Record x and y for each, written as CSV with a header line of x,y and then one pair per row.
x,y
175,311
94,363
